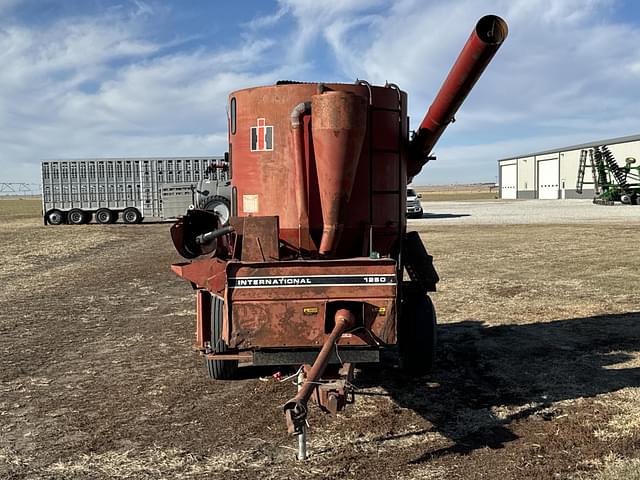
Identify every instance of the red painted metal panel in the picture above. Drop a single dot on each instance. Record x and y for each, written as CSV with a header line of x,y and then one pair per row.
x,y
272,305
265,180
203,318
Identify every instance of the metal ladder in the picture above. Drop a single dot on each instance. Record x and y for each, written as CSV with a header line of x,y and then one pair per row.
x,y
587,159
581,169
374,193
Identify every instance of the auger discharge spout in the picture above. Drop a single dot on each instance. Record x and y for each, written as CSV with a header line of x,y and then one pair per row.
x,y
489,33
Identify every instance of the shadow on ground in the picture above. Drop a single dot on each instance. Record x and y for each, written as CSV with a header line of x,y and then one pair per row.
x,y
525,368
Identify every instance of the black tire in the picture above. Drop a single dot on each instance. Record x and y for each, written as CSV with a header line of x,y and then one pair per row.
x,y
221,206
55,217
104,216
78,217
417,334
131,215
219,369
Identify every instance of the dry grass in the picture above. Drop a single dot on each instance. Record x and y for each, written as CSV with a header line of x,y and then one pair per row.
x,y
13,208
617,468
439,193
155,462
538,372
458,196
626,422
532,273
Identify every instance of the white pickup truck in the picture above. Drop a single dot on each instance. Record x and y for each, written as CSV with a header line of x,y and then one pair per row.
x,y
414,207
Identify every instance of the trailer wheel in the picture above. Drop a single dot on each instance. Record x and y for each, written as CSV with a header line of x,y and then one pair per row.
x,y
55,217
104,216
417,334
220,206
78,217
219,369
131,215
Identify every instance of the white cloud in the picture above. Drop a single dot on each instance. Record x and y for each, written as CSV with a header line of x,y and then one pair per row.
x,y
312,18
96,87
566,71
478,162
8,5
104,85
142,8
267,20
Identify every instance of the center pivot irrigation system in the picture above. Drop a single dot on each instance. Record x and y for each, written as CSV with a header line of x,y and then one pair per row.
x,y
309,268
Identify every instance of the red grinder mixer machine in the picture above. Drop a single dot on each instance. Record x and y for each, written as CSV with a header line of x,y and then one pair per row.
x,y
310,267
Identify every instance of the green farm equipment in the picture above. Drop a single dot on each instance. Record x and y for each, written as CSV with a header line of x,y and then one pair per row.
x,y
612,182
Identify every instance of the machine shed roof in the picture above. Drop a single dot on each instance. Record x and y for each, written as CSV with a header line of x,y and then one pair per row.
x,y
609,141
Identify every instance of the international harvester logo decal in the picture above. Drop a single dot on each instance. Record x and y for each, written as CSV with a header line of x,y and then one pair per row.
x,y
261,137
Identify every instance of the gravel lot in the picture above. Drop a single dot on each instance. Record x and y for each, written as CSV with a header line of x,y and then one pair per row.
x,y
505,212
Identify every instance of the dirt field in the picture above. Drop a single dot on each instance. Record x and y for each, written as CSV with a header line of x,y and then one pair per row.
x,y
538,371
474,191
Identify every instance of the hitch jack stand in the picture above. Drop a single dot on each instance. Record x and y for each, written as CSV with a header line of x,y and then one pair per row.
x,y
295,410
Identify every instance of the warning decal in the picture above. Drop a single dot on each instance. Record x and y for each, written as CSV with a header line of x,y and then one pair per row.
x,y
261,137
250,203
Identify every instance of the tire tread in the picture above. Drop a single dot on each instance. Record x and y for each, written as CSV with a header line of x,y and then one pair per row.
x,y
219,369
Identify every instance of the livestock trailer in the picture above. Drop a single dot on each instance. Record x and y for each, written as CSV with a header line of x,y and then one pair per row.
x,y
74,191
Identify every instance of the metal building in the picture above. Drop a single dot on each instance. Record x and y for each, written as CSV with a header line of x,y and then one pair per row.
x,y
552,174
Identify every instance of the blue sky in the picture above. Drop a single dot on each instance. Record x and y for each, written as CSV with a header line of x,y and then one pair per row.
x,y
144,77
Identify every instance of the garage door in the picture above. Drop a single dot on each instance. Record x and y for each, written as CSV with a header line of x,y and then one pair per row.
x,y
508,182
548,179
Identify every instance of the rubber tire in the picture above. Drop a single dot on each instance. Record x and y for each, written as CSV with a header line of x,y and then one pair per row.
x,y
105,216
218,201
219,369
78,217
131,215
58,217
417,336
